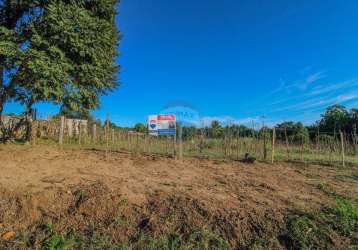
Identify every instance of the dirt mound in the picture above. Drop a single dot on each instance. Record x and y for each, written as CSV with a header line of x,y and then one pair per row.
x,y
183,215
52,199
88,208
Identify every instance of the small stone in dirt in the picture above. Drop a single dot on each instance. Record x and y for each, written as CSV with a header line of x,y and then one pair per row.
x,y
8,235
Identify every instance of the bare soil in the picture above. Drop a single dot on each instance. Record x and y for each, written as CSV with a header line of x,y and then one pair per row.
x,y
73,188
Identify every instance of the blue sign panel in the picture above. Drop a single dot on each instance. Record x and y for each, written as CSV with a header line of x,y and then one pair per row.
x,y
167,131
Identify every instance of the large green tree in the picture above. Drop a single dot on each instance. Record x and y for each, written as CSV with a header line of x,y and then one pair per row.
x,y
140,128
57,51
293,131
216,130
353,116
335,119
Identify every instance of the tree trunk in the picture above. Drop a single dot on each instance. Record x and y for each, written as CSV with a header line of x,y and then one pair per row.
x,y
1,85
2,96
28,119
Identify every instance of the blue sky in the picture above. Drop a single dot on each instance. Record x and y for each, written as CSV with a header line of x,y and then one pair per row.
x,y
231,59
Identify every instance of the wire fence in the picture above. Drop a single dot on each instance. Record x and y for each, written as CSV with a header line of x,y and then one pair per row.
x,y
272,145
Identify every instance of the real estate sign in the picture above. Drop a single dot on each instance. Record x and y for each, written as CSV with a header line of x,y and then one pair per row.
x,y
162,125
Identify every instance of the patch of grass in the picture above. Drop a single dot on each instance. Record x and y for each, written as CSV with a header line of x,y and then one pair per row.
x,y
147,242
205,239
345,217
91,239
121,221
313,230
327,189
57,241
355,176
199,239
347,178
305,233
261,244
172,215
123,202
80,197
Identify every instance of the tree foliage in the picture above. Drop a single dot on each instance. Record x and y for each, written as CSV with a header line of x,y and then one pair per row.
x,y
295,132
336,118
140,128
57,51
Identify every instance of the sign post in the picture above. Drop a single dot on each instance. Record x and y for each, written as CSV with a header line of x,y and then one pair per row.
x,y
180,142
163,125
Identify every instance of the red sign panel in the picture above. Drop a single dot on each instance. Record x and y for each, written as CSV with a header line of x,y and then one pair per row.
x,y
166,118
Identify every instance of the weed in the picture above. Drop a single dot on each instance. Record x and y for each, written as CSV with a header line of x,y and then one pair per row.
x,y
123,202
98,241
346,216
199,239
205,239
326,188
171,215
261,244
58,241
355,176
80,197
313,230
169,242
305,233
121,221
347,178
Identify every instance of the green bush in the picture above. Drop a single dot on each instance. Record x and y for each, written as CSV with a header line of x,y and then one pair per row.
x,y
311,231
58,241
346,216
304,233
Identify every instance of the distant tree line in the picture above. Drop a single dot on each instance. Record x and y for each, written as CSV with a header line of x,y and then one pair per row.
x,y
336,119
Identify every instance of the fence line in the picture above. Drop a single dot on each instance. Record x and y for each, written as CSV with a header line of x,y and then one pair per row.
x,y
335,148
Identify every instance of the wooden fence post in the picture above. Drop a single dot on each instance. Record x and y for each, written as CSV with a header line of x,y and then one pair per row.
x,y
79,133
237,145
94,133
273,145
107,135
265,148
318,139
175,146
62,126
342,150
33,132
180,142
287,148
302,147
113,136
201,145
149,144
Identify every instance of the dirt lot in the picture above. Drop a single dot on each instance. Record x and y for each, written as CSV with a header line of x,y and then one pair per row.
x,y
74,189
